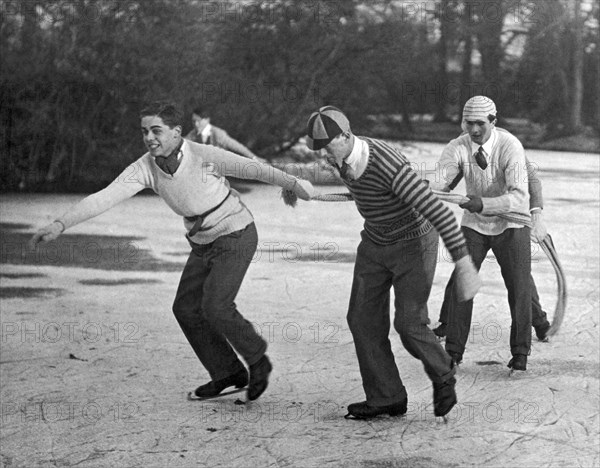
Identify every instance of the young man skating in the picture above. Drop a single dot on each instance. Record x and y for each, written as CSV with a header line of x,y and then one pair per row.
x,y
220,229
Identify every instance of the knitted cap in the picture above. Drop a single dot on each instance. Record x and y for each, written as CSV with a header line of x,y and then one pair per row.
x,y
324,125
479,108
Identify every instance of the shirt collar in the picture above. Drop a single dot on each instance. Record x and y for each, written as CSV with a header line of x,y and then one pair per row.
x,y
359,151
183,149
487,146
206,132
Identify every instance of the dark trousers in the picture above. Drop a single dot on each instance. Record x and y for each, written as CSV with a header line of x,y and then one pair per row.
x,y
512,249
538,316
204,305
408,267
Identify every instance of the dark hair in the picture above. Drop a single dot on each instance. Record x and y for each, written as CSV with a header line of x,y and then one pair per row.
x,y
168,111
491,118
200,111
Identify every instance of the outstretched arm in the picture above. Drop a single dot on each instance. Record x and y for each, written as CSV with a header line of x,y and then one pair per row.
x,y
232,165
414,191
123,187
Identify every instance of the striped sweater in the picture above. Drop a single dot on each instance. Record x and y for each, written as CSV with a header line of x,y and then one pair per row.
x,y
397,205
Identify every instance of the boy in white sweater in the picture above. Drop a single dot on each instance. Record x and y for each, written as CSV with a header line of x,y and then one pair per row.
x,y
190,177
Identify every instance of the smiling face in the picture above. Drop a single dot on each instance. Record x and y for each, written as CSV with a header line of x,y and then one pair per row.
x,y
159,138
479,130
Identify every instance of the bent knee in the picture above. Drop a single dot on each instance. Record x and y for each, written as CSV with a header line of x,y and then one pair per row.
x,y
214,308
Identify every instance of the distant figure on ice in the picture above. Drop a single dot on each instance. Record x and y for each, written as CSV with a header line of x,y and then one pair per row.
x,y
208,134
220,229
493,164
399,249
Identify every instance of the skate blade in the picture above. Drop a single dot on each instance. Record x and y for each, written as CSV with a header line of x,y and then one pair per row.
x,y
369,418
192,397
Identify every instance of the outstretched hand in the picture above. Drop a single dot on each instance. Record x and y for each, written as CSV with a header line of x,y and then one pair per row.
x,y
304,189
48,233
301,189
467,279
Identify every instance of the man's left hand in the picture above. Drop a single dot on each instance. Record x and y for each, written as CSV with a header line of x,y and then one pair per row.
x,y
539,230
474,205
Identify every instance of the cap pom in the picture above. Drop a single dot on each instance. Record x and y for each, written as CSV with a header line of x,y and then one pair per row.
x,y
289,197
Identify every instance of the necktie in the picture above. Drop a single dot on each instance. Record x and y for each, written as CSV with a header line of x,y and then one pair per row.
x,y
480,158
169,164
345,171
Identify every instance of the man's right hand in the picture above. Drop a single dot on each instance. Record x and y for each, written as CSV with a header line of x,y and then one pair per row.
x,y
474,204
304,189
467,279
48,233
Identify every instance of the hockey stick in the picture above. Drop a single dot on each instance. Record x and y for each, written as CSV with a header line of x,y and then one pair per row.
x,y
458,199
547,246
290,198
561,301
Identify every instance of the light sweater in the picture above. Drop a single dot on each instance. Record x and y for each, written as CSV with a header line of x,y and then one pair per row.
x,y
502,186
198,185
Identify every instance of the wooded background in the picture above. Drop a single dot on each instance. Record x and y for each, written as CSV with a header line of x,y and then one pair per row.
x,y
75,73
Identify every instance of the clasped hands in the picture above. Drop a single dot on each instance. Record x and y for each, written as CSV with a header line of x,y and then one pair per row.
x,y
474,205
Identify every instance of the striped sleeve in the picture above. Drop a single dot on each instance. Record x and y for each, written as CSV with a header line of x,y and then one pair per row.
x,y
416,193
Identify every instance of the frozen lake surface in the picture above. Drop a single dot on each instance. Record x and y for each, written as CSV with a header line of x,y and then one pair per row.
x,y
95,370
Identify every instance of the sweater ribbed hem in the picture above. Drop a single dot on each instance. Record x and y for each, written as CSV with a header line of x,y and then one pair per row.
x,y
224,227
411,232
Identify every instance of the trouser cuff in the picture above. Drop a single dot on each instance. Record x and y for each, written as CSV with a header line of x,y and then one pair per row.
x,y
443,378
520,350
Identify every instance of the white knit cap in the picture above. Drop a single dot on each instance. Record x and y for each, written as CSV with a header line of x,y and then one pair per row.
x,y
479,108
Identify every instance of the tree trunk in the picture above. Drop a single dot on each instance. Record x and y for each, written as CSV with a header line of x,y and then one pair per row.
x,y
29,29
575,120
28,160
489,31
440,112
465,76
